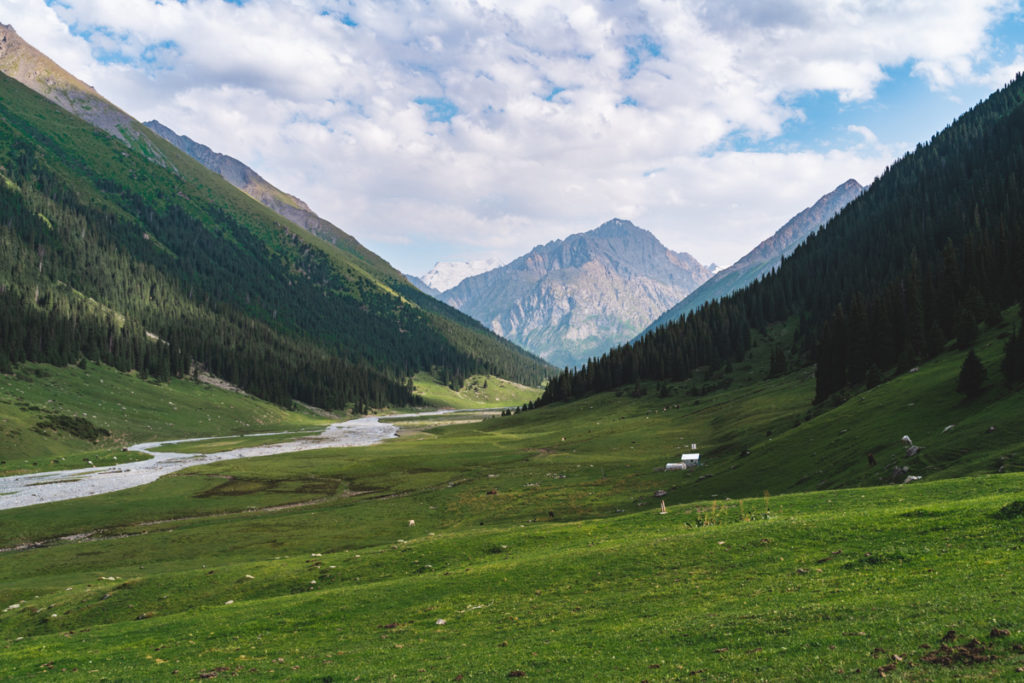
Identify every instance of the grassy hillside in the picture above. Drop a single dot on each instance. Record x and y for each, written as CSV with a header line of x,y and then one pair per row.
x,y
538,541
58,418
478,391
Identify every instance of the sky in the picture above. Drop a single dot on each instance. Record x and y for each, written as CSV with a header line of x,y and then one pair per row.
x,y
464,129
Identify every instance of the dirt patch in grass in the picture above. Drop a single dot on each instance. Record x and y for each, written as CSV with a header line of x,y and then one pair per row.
x,y
872,559
923,514
246,487
972,652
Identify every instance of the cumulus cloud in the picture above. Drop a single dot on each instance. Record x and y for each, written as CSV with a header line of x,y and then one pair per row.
x,y
866,133
490,126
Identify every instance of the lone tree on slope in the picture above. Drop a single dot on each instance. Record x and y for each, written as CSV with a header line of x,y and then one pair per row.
x,y
972,376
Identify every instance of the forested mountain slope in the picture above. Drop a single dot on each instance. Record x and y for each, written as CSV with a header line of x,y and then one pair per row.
x,y
280,202
154,266
765,256
934,247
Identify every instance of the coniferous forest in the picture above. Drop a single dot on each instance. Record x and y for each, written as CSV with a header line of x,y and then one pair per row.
x,y
147,261
930,252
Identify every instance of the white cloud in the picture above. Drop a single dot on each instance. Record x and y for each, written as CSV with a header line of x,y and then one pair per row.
x,y
561,111
865,132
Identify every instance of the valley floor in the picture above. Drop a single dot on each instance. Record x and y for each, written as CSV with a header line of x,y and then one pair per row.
x,y
533,546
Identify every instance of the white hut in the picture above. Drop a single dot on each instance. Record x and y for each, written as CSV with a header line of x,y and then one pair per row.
x,y
686,461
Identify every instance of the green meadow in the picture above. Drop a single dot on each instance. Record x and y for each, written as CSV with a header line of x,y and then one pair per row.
x,y
478,391
60,418
533,546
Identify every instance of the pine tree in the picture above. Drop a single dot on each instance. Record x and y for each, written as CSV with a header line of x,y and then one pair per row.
x,y
972,376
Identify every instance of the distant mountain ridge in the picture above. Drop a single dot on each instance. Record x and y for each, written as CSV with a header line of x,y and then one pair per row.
x,y
767,255
570,299
422,286
447,274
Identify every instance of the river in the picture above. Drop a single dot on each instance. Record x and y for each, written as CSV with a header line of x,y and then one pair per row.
x,y
47,487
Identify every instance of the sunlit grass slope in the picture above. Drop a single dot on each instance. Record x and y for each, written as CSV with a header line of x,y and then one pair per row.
x,y
98,399
479,391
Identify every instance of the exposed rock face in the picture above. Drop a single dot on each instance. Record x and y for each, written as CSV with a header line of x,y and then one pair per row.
x,y
767,255
32,68
280,202
572,299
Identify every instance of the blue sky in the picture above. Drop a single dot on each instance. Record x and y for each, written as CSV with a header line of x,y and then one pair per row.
x,y
458,130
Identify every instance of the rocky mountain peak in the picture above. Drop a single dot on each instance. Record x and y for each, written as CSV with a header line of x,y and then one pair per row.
x,y
575,298
617,226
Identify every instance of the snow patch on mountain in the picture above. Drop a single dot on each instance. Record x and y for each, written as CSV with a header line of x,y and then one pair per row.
x,y
447,274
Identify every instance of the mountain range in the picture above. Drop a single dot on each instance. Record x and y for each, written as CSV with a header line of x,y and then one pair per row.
x,y
442,277
571,299
767,255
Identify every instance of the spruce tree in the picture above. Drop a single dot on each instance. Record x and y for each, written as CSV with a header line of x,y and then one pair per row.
x,y
972,376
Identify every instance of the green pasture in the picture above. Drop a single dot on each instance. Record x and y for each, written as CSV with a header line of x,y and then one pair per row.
x,y
112,410
537,541
479,391
799,587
